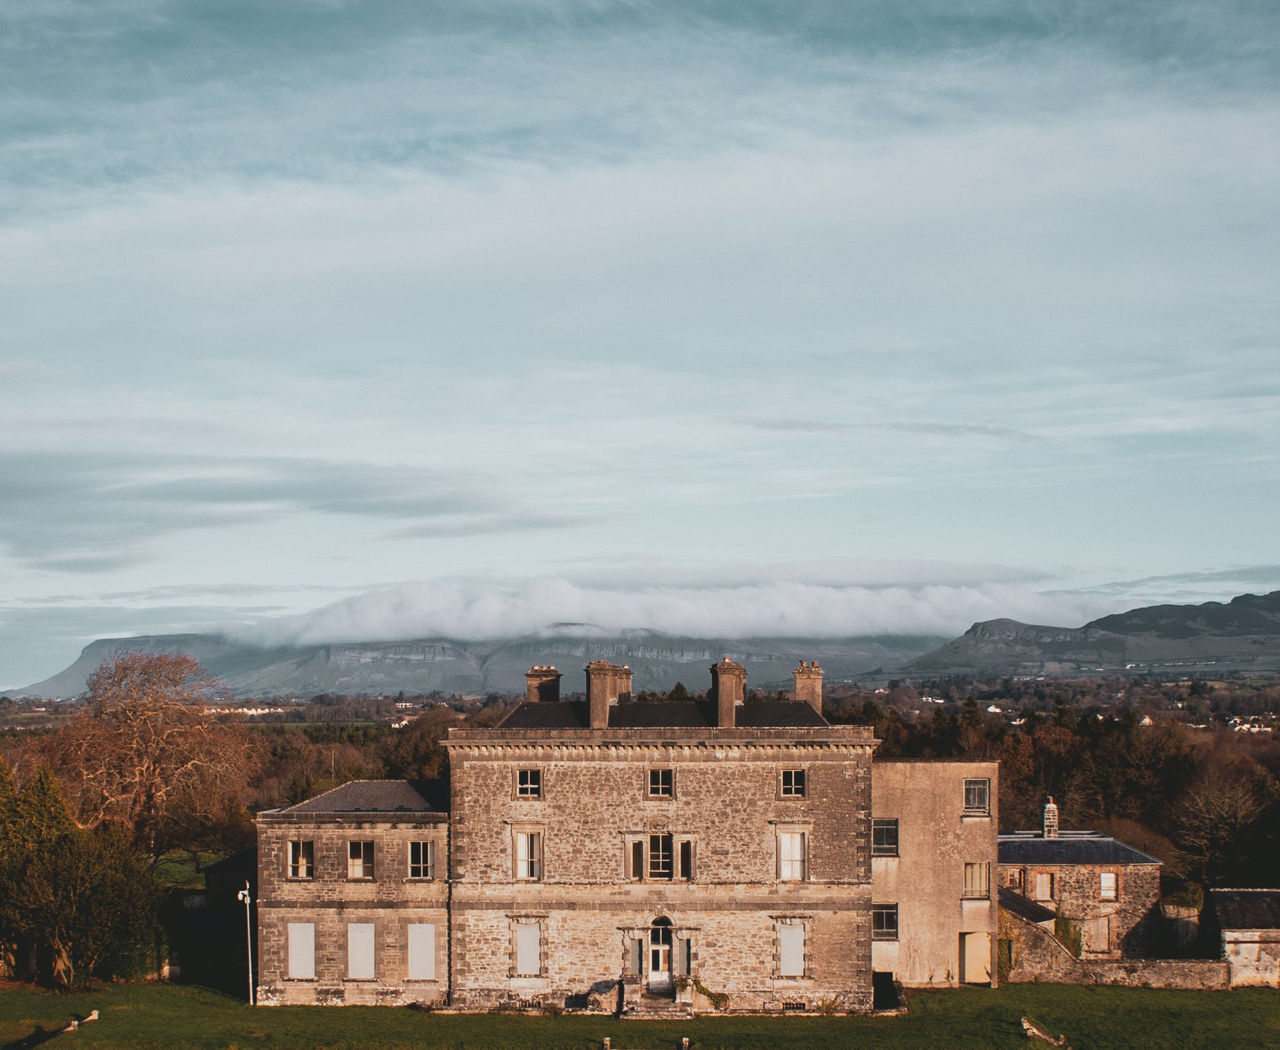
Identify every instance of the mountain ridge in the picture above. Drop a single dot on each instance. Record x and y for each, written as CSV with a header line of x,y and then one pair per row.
x,y
1240,635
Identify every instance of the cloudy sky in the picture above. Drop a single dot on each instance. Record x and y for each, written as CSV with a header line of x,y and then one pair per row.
x,y
339,320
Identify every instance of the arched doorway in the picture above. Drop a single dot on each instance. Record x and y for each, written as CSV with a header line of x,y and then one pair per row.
x,y
660,957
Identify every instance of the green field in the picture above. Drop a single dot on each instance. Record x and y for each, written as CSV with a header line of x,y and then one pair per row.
x,y
174,1016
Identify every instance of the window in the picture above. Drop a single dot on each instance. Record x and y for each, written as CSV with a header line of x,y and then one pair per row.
x,y
977,797
422,860
793,783
661,857
528,783
360,951
884,838
360,860
682,957
1044,886
662,783
529,855
884,922
791,856
302,860
791,949
1107,886
528,949
977,880
422,951
302,951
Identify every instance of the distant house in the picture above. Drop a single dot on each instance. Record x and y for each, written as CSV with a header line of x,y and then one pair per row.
x,y
1248,924
1110,891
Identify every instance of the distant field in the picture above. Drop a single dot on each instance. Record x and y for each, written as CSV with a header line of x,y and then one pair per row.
x,y
173,1016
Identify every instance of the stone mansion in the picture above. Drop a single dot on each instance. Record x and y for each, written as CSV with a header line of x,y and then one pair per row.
x,y
646,858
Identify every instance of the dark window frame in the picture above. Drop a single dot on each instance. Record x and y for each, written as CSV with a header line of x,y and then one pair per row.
x,y
884,922
884,837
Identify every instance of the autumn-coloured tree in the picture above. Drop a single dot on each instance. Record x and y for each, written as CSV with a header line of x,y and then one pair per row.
x,y
147,752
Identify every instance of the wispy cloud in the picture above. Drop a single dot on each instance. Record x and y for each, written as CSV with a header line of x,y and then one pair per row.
x,y
88,513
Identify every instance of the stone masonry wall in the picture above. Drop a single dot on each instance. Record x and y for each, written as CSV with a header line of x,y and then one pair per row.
x,y
1036,955
594,801
330,901
1133,917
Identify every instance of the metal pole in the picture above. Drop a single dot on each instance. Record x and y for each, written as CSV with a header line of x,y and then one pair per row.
x,y
248,936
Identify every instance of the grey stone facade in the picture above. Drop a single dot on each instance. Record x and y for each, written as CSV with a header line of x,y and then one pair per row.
x,y
645,858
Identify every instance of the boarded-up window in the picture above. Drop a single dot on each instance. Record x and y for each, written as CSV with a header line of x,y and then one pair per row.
x,y
977,879
1044,886
791,856
686,859
1107,886
302,951
528,949
791,950
637,860
422,951
360,951
1097,934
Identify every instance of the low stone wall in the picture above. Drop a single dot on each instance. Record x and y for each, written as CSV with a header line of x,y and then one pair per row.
x,y
1190,974
1036,955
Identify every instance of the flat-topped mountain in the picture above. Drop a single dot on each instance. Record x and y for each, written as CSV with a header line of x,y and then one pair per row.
x,y
453,666
1240,635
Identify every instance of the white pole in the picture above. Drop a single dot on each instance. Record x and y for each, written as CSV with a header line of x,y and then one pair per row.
x,y
248,936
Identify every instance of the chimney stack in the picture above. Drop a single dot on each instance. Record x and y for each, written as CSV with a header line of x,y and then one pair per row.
x,y
606,684
541,684
729,683
1050,819
809,684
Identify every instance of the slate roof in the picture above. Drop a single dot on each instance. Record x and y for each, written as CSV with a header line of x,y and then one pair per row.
x,y
1247,909
1070,847
661,714
377,796
1024,907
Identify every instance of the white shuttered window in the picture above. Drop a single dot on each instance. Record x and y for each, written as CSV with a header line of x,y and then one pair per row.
x,y
302,951
528,949
360,951
422,951
791,950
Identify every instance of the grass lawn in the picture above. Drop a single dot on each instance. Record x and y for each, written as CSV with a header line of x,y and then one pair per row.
x,y
175,1016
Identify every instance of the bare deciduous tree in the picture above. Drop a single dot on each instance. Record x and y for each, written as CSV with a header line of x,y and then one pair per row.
x,y
147,749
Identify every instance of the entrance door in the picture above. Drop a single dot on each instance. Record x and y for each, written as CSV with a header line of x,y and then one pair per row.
x,y
660,956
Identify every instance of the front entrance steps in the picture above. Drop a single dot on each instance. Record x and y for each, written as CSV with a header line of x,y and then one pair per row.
x,y
649,1007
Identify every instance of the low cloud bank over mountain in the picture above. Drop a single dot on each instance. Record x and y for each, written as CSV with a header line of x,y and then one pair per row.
x,y
485,610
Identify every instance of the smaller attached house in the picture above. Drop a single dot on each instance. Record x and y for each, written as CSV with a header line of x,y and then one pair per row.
x,y
1248,921
933,914
1110,891
353,897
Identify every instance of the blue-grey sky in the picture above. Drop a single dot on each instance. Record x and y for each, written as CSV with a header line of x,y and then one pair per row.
x,y
337,320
